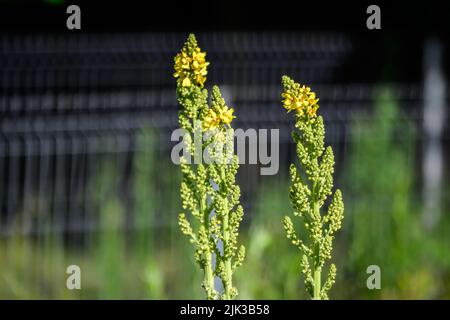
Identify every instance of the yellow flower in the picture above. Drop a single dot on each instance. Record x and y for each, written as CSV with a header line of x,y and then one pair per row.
x,y
190,65
301,99
226,116
222,115
290,102
211,120
186,82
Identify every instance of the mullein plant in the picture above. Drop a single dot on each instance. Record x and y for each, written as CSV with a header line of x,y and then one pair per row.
x,y
208,189
309,190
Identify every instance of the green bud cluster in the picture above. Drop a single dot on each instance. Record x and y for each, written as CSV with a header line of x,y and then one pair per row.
x,y
209,191
309,191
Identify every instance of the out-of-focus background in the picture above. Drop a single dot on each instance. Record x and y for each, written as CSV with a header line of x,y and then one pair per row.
x,y
86,176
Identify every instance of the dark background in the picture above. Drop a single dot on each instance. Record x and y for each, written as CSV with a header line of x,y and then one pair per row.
x,y
404,24
230,15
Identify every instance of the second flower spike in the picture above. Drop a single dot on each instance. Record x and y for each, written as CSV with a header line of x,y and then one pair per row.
x,y
310,187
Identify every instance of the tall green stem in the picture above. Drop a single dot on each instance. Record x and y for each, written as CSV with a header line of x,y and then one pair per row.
x,y
209,274
317,270
228,272
317,283
209,277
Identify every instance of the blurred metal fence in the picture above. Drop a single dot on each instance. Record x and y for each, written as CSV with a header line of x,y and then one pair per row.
x,y
69,103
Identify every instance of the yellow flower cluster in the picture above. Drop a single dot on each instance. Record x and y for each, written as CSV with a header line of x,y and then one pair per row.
x,y
221,115
190,67
301,99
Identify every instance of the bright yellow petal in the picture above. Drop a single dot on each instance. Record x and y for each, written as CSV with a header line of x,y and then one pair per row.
x,y
186,82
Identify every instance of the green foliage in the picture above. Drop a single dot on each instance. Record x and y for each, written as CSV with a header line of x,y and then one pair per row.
x,y
308,195
384,222
110,237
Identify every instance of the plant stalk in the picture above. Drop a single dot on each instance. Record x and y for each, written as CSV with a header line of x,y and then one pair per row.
x,y
317,269
228,272
209,274
317,283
